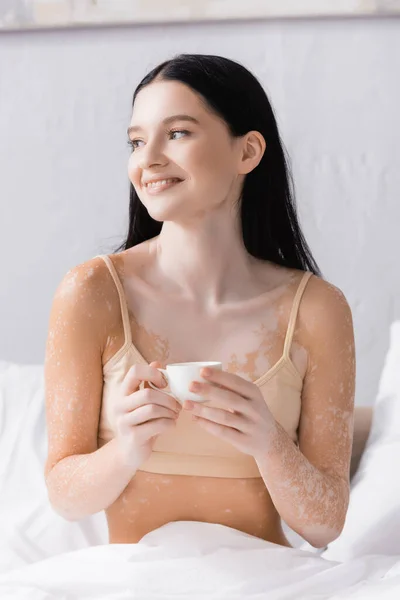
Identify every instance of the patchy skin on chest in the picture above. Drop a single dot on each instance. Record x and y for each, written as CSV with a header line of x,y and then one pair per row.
x,y
247,339
249,368
71,379
267,344
155,346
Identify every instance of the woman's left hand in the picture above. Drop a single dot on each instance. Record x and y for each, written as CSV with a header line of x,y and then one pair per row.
x,y
242,418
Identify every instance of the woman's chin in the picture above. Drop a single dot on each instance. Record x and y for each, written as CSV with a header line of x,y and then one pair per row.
x,y
164,214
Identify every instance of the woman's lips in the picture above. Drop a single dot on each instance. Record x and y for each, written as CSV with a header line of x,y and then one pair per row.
x,y
162,185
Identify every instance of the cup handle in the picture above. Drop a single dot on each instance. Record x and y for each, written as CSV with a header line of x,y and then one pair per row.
x,y
164,372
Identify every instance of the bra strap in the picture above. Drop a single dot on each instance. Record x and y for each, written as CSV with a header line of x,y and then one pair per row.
x,y
122,298
293,313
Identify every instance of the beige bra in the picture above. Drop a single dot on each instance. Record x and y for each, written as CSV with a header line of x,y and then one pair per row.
x,y
188,449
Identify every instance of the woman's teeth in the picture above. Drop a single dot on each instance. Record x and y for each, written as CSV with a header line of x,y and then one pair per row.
x,y
155,184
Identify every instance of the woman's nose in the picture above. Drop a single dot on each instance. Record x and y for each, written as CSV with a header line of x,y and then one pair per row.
x,y
151,155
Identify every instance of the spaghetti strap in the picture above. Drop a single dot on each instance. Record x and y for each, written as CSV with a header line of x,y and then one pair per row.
x,y
122,298
293,313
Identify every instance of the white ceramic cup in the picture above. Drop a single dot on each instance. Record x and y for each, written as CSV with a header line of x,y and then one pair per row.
x,y
180,375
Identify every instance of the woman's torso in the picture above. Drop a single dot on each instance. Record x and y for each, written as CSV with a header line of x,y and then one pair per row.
x,y
248,338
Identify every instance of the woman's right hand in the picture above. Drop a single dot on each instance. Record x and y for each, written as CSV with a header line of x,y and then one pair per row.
x,y
142,414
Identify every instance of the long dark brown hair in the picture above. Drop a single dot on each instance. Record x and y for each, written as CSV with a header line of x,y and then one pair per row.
x,y
270,226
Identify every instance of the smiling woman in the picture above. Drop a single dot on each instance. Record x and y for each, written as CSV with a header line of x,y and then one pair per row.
x,y
214,267
193,149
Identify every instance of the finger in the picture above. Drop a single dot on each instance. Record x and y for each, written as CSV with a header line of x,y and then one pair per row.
x,y
156,365
221,417
138,373
147,396
229,434
222,397
152,429
228,380
148,412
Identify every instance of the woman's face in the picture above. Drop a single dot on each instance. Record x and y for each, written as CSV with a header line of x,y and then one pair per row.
x,y
184,162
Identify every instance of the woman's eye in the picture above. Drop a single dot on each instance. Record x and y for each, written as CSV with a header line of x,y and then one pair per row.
x,y
176,134
134,144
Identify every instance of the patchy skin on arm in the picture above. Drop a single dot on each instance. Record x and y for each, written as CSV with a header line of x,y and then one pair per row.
x,y
309,485
81,479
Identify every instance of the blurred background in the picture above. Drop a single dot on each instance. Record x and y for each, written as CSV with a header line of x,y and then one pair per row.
x,y
65,101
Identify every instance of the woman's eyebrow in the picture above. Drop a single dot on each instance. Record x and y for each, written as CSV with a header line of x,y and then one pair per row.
x,y
166,121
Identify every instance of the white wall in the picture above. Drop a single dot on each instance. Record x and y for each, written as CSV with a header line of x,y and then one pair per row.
x,y
64,107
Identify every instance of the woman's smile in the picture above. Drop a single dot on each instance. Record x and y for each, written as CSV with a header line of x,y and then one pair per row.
x,y
161,185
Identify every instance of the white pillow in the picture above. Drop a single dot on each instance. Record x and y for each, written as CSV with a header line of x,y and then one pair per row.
x,y
373,518
30,530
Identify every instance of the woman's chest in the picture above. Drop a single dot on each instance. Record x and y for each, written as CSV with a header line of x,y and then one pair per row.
x,y
246,344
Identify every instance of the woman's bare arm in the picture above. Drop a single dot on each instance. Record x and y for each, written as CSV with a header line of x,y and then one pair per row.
x,y
81,479
309,484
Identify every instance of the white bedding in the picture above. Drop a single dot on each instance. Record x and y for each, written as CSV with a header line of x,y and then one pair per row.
x,y
44,557
201,561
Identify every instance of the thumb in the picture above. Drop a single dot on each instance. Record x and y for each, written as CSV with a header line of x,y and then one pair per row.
x,y
155,364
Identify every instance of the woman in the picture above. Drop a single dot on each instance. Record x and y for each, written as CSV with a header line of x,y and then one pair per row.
x,y
215,267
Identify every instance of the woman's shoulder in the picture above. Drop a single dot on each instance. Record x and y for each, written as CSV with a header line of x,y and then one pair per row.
x,y
318,292
96,281
84,279
321,300
88,288
324,310
322,296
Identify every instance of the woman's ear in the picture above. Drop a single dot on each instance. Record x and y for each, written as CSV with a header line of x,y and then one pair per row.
x,y
252,150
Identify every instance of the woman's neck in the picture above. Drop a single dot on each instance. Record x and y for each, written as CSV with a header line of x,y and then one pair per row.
x,y
205,260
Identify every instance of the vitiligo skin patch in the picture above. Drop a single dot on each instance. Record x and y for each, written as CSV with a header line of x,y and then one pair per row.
x,y
306,374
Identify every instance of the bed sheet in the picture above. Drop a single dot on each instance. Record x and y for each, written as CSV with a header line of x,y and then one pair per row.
x,y
44,557
196,561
